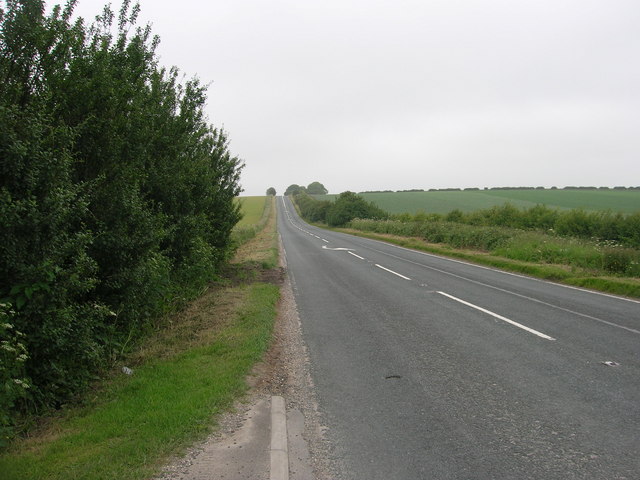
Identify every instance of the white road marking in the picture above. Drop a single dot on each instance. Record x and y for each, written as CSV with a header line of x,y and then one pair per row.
x,y
324,247
391,271
441,257
324,240
499,317
573,312
551,305
357,256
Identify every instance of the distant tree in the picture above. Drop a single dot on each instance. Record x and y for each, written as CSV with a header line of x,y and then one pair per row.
x,y
271,191
294,189
349,206
316,188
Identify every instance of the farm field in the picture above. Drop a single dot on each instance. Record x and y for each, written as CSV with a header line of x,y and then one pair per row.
x,y
624,201
252,209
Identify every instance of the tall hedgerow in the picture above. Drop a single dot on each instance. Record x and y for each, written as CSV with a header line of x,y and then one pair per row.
x,y
338,213
116,195
601,225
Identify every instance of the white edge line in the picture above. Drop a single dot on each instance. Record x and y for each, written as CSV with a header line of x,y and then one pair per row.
x,y
357,256
519,275
500,317
551,305
391,271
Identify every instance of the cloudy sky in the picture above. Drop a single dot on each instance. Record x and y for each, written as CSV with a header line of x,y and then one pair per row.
x,y
399,94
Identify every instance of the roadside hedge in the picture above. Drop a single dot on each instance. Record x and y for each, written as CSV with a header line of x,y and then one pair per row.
x,y
116,195
602,225
345,208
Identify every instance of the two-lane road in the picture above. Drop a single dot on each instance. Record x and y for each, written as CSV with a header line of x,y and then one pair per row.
x,y
432,368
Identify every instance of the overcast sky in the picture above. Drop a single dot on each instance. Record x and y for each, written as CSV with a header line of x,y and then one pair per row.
x,y
376,95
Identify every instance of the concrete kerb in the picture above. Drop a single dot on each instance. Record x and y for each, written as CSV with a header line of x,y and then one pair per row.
x,y
279,447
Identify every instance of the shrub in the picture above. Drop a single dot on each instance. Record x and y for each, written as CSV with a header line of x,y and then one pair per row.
x,y
621,261
312,209
348,206
13,382
109,205
575,223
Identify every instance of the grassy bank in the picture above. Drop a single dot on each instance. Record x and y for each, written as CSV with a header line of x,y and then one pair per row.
x,y
191,369
255,214
262,250
253,210
528,259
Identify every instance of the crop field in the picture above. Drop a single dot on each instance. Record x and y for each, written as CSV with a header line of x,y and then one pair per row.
x,y
252,209
624,201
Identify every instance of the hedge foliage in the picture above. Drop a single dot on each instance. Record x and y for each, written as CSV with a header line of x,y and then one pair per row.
x,y
601,225
116,195
338,213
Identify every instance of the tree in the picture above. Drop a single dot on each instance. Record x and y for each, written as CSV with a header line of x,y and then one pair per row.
x,y
349,206
111,207
294,189
316,188
271,191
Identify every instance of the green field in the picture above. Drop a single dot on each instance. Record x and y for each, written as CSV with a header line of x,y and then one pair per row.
x,y
252,210
624,201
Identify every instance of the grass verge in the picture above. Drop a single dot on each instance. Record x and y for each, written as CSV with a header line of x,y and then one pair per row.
x,y
263,249
193,368
558,273
256,213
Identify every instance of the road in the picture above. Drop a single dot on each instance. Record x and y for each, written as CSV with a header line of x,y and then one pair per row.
x,y
432,368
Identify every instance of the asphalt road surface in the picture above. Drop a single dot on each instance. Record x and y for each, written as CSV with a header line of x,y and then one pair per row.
x,y
430,368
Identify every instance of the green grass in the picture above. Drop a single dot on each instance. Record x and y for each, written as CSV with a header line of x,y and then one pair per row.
x,y
252,210
624,201
516,257
143,418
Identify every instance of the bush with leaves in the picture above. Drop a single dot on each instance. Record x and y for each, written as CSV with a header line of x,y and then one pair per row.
x,y
348,206
13,382
294,189
312,209
116,195
316,188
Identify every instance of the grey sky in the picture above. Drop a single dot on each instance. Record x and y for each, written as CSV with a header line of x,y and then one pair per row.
x,y
372,95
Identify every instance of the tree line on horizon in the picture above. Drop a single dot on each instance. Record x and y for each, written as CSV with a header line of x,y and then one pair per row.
x,y
117,198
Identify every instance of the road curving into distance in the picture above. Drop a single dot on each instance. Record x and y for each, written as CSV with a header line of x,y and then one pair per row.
x,y
431,368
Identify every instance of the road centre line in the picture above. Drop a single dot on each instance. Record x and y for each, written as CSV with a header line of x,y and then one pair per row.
x,y
499,317
391,271
509,292
357,256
